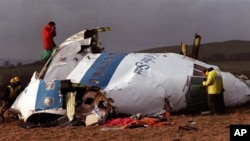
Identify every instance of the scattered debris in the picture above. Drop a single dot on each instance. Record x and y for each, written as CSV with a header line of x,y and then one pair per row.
x,y
95,107
205,112
189,126
136,121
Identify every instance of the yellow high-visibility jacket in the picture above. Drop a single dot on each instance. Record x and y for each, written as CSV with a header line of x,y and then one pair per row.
x,y
12,92
214,83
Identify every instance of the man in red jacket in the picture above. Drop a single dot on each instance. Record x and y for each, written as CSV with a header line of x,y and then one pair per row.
x,y
49,32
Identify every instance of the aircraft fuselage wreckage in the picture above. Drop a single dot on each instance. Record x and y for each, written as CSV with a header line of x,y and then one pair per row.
x,y
81,80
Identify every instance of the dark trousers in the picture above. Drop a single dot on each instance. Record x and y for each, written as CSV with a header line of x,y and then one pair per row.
x,y
6,106
216,103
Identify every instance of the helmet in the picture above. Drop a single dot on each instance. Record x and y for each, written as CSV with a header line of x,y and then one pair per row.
x,y
16,78
12,80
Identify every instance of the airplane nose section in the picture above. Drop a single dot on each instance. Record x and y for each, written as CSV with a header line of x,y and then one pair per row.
x,y
37,96
25,103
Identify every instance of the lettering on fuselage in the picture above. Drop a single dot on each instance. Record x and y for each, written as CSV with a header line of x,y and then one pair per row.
x,y
144,63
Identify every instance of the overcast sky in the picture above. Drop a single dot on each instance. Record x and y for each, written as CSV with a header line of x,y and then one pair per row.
x,y
136,24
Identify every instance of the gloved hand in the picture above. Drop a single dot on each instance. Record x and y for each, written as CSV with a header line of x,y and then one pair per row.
x,y
204,83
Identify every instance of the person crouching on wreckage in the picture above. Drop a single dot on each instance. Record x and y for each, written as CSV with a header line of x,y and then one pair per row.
x,y
9,97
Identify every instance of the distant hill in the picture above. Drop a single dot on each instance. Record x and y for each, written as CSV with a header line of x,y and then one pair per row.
x,y
15,61
234,50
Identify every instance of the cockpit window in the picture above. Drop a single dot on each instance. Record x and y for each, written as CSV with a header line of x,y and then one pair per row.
x,y
198,70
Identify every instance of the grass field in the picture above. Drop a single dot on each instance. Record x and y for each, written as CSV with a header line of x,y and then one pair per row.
x,y
24,73
233,66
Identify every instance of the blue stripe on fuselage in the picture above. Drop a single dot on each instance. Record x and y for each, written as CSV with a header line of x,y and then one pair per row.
x,y
101,71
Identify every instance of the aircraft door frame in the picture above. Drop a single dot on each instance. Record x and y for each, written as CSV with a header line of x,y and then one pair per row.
x,y
196,96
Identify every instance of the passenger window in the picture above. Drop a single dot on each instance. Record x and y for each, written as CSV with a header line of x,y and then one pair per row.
x,y
94,81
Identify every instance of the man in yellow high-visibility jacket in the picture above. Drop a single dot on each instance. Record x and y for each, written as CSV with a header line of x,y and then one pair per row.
x,y
214,84
9,98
